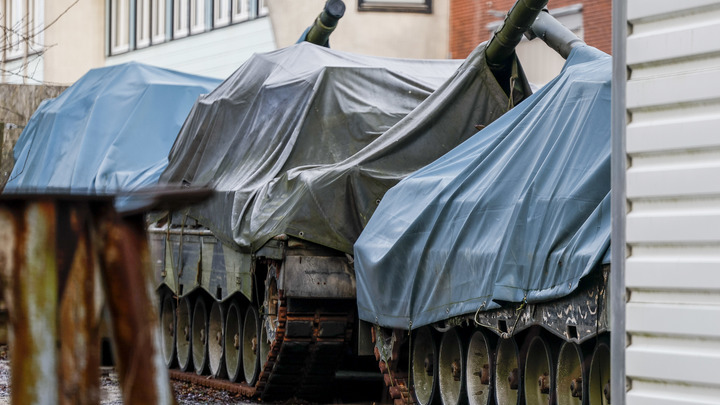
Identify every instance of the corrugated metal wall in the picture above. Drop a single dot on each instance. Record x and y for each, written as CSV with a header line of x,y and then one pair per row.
x,y
672,273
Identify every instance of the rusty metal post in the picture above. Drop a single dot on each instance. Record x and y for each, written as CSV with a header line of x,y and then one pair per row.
x,y
52,254
79,308
30,276
129,286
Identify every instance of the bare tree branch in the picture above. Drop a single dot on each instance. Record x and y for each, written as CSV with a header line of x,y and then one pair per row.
x,y
24,32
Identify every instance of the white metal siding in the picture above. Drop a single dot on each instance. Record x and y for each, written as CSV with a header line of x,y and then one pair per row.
x,y
672,273
216,54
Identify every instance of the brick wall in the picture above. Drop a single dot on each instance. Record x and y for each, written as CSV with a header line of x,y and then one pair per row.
x,y
469,19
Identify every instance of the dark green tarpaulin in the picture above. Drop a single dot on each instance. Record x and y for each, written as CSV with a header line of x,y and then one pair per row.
x,y
305,141
519,211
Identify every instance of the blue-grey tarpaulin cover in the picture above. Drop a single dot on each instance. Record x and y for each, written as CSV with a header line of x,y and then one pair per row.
x,y
519,211
304,141
111,131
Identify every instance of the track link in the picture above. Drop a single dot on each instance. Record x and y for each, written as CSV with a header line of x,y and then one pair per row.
x,y
205,381
305,354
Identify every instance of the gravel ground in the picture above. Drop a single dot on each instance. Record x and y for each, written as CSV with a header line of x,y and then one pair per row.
x,y
4,382
185,393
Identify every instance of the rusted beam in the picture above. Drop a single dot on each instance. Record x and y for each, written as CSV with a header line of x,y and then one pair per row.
x,y
56,252
129,285
28,236
80,306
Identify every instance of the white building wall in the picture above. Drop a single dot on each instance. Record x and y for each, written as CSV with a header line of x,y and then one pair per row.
x,y
75,39
672,273
217,53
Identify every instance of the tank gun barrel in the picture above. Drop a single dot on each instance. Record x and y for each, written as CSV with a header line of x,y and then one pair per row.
x,y
326,22
554,34
518,20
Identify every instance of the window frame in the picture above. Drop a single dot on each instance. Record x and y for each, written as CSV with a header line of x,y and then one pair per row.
x,y
158,13
121,29
262,9
181,30
143,20
220,20
29,25
168,20
420,6
14,39
197,16
238,17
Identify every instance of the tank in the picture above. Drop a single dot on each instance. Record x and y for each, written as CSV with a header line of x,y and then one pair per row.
x,y
110,132
485,272
256,272
257,285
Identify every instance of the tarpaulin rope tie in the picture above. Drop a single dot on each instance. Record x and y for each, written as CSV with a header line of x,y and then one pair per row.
x,y
475,318
511,104
518,311
504,335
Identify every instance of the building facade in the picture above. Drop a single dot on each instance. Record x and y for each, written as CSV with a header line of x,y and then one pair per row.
x,y
56,42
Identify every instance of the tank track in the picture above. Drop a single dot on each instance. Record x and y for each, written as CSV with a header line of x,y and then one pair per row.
x,y
202,380
308,346
302,360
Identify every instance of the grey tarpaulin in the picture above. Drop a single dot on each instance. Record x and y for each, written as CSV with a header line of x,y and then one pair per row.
x,y
522,209
109,132
305,140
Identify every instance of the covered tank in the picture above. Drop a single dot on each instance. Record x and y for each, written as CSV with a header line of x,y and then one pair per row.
x,y
300,146
488,267
109,132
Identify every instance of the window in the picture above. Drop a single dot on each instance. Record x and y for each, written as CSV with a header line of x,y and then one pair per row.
x,y
181,11
15,20
142,23
22,22
157,16
417,6
197,16
241,10
262,8
149,19
120,18
221,13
